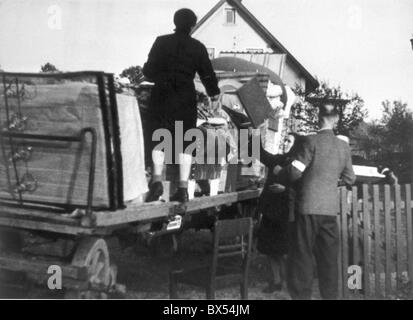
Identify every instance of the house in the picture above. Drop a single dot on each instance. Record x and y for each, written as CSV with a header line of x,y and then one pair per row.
x,y
243,36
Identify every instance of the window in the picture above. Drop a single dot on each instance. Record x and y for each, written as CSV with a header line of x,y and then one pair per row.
x,y
211,53
230,16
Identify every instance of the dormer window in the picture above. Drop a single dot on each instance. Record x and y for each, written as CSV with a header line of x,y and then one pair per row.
x,y
230,16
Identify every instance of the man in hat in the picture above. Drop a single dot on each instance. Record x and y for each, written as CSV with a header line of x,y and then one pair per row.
x,y
172,63
320,162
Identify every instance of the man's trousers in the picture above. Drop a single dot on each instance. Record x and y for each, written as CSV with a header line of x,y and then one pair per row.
x,y
318,236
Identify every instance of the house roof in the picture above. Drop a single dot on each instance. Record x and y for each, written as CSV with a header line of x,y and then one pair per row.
x,y
273,43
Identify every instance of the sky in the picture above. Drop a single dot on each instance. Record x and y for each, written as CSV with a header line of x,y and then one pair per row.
x,y
361,45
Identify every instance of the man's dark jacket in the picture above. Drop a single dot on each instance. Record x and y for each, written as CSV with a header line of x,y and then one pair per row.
x,y
172,63
320,162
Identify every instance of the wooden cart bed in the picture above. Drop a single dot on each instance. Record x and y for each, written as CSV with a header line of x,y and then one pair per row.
x,y
104,222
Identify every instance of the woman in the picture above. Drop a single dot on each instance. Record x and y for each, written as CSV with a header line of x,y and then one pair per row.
x,y
274,206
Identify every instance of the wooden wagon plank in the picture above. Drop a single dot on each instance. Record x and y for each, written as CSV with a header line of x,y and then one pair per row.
x,y
60,248
225,198
134,213
22,223
35,214
107,220
153,210
38,266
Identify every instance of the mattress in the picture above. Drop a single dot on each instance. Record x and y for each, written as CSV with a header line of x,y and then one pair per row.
x,y
57,172
60,169
132,148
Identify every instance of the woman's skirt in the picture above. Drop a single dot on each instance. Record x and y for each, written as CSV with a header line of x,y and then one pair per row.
x,y
273,236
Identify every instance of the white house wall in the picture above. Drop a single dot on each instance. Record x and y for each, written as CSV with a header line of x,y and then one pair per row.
x,y
214,33
291,77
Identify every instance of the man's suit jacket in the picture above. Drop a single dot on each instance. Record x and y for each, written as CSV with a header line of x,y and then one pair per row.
x,y
320,161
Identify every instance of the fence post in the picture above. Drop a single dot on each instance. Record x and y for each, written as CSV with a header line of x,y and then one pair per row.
x,y
355,218
399,232
377,238
339,260
408,207
366,236
344,243
356,232
387,231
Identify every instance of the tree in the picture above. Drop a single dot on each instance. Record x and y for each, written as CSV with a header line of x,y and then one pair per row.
x,y
397,122
351,113
134,74
389,140
371,139
48,67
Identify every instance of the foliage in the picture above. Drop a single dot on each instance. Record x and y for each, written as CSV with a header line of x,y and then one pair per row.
x,y
48,67
350,114
393,132
304,114
397,122
389,140
134,74
370,138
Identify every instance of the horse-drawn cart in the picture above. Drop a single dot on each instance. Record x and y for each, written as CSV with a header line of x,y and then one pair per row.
x,y
68,182
78,246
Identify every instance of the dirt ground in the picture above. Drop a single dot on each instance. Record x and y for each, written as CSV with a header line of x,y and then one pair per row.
x,y
144,270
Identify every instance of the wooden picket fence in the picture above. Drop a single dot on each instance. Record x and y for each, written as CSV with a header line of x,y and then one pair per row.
x,y
376,234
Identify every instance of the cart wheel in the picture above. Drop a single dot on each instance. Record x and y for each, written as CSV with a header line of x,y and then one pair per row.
x,y
92,253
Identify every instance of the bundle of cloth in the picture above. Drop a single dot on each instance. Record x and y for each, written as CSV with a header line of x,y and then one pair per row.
x,y
281,99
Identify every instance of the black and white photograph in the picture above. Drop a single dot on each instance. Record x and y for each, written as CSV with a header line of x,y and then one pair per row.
x,y
186,151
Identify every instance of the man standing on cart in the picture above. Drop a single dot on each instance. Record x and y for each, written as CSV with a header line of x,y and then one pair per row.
x,y
172,64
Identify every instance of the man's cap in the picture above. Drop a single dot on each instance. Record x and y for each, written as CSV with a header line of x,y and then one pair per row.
x,y
324,100
327,106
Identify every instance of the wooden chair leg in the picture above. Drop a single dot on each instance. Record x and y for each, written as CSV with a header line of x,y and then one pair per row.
x,y
244,291
173,286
